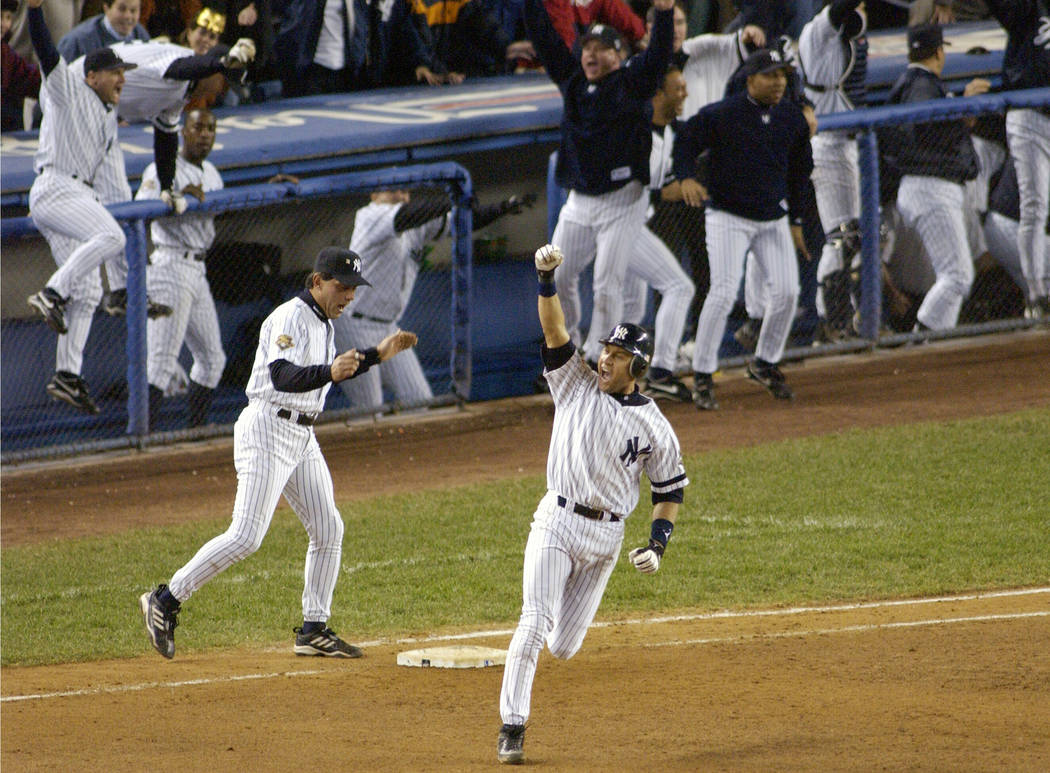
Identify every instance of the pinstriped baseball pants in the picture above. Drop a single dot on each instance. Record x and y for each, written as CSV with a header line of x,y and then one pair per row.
x,y
654,265
568,561
729,238
1028,134
934,208
275,456
403,375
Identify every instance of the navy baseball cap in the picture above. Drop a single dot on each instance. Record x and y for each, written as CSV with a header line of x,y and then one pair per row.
x,y
603,33
342,264
765,60
105,59
925,37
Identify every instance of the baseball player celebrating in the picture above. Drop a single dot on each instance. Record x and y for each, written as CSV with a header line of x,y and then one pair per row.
x,y
936,160
605,434
390,235
603,156
1026,65
78,138
653,263
276,452
833,54
760,159
176,276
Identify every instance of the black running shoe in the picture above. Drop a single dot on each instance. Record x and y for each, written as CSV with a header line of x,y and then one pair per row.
x,y
324,643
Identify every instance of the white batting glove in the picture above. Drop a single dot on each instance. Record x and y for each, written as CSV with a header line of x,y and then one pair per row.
x,y
242,52
646,560
548,257
175,200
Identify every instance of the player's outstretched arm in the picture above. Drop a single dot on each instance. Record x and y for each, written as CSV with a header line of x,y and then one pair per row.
x,y
647,560
394,343
552,318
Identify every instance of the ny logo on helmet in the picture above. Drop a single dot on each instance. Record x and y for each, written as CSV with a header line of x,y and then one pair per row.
x,y
619,333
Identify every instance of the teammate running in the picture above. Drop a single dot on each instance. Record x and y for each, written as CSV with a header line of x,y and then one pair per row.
x,y
276,452
605,434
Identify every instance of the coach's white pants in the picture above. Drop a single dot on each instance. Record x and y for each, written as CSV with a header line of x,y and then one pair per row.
x,y
63,207
568,561
603,229
402,375
1028,134
934,208
729,238
1001,234
180,282
654,265
274,456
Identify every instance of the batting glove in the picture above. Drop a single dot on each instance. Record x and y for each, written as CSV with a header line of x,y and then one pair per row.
x,y
647,560
548,257
515,204
242,53
175,200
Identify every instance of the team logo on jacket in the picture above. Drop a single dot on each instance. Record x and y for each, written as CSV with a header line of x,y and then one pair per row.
x,y
630,456
284,342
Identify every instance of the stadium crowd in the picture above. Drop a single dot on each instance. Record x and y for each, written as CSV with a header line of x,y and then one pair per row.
x,y
954,213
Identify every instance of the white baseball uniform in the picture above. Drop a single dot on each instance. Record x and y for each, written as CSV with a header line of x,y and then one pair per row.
x,y
653,264
391,259
176,277
712,59
600,445
275,453
1028,135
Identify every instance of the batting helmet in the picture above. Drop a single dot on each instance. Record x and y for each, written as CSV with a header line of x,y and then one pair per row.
x,y
635,340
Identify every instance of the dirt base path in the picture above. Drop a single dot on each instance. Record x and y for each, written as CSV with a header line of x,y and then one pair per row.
x,y
960,683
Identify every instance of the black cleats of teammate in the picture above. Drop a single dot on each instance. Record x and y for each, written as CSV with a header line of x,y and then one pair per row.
x,y
324,643
71,388
771,378
509,747
160,622
50,305
747,334
115,303
704,393
668,388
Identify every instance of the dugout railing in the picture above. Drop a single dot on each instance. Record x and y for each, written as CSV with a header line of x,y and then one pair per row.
x,y
35,427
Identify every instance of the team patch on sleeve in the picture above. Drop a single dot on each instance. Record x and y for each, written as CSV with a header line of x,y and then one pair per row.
x,y
284,342
149,184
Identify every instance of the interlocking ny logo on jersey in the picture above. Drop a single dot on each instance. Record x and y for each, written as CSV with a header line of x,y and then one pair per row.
x,y
630,456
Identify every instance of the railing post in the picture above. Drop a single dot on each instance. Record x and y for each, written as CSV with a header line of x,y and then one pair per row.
x,y
871,259
138,388
461,191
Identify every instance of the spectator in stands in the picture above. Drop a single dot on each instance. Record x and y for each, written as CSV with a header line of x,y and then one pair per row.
x,y
572,17
60,16
338,45
946,11
936,159
391,235
21,78
118,22
168,18
466,40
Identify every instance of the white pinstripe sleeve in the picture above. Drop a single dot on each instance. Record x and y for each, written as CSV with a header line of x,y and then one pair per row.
x,y
664,466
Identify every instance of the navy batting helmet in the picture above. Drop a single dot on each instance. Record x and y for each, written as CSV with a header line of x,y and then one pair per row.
x,y
635,340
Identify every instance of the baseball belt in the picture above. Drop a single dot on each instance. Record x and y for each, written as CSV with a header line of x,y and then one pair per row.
x,y
588,512
303,419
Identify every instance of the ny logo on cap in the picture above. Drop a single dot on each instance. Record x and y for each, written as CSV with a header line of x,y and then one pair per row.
x,y
357,265
775,56
619,332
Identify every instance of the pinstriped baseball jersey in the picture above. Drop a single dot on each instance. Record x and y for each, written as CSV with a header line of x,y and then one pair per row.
x,y
826,62
148,95
712,59
600,445
293,332
77,129
661,165
390,260
193,231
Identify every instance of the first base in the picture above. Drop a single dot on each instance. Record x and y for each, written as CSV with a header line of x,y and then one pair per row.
x,y
453,657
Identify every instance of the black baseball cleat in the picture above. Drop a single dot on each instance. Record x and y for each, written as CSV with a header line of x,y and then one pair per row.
x,y
160,622
71,388
509,747
771,378
324,643
668,388
50,305
116,305
704,393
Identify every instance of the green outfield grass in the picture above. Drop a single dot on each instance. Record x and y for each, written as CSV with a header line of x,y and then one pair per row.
x,y
904,511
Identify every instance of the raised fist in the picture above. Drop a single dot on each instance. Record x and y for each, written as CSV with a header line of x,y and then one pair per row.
x,y
548,257
242,53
